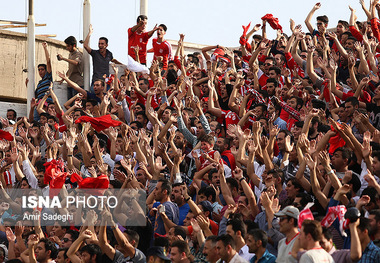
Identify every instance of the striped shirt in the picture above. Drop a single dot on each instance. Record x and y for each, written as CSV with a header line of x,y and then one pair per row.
x,y
43,86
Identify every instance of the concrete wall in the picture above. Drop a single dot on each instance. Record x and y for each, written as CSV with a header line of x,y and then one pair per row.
x,y
12,62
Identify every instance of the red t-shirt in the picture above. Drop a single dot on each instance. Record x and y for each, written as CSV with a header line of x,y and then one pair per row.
x,y
229,117
140,40
163,49
366,98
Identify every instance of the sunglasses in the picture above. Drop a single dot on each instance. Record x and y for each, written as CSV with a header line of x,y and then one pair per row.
x,y
66,240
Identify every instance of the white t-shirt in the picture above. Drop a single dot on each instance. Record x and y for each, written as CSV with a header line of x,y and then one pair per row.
x,y
285,249
316,255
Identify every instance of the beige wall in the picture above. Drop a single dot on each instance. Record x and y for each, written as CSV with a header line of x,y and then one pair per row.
x,y
13,60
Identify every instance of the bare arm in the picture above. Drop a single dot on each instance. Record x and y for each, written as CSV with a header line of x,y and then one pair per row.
x,y
87,40
309,16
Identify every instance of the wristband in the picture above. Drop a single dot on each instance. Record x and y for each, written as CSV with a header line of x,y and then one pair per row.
x,y
187,199
330,172
241,179
69,155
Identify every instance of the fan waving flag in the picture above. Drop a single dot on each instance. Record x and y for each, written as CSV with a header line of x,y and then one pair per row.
x,y
99,123
273,21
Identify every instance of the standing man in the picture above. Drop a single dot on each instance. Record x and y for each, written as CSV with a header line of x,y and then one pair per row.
x,y
311,234
161,47
226,249
209,249
137,37
162,194
180,252
44,70
75,72
100,58
257,241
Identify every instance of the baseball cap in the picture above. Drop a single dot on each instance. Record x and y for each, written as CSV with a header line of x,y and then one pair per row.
x,y
158,252
289,211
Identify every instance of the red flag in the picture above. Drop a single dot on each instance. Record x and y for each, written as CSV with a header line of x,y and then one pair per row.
x,y
336,141
99,123
273,21
305,214
334,213
6,135
100,182
54,175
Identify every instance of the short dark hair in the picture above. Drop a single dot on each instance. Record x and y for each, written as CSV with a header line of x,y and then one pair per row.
x,y
42,65
324,19
102,82
274,81
182,246
271,59
165,28
93,250
49,245
364,224
344,23
146,81
14,112
104,38
327,233
133,235
208,191
233,182
71,41
213,171
141,17
237,225
212,239
227,240
259,234
314,228
73,233
318,104
93,102
346,153
376,213
179,231
40,167
354,101
263,107
276,69
166,185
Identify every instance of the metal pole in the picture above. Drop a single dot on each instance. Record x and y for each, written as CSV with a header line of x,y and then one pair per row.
x,y
144,7
31,42
86,56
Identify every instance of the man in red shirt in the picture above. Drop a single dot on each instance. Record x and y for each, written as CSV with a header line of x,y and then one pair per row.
x,y
137,37
161,47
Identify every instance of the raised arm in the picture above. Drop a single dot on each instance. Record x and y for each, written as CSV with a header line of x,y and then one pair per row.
x,y
47,56
73,84
87,40
310,15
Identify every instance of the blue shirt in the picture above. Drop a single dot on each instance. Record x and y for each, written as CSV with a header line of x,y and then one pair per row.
x,y
371,254
172,212
266,258
280,123
183,210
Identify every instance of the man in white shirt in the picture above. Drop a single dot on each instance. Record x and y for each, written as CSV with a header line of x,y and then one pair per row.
x,y
226,249
311,234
